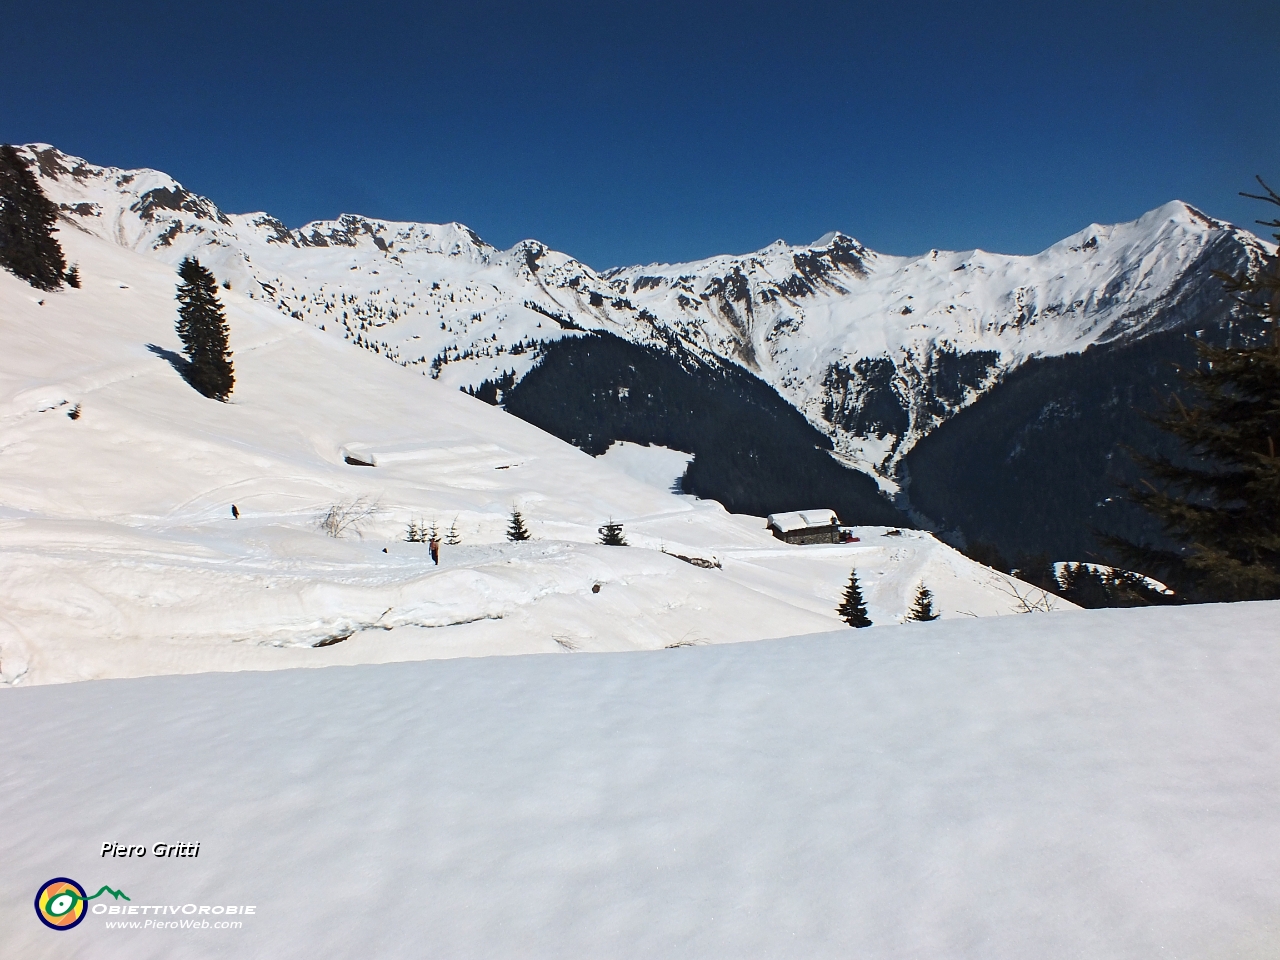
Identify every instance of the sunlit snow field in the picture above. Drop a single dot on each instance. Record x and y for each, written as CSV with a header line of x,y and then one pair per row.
x,y
1087,784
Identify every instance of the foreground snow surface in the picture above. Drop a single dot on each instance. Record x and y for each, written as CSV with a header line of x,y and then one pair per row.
x,y
1081,784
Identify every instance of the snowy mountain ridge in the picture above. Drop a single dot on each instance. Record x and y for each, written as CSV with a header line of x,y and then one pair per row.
x,y
875,350
147,529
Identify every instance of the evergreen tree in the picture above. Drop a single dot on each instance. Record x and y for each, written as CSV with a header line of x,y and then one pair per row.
x,y
202,327
611,534
434,532
516,530
28,248
1092,587
922,609
852,609
1224,510
452,537
414,533
73,277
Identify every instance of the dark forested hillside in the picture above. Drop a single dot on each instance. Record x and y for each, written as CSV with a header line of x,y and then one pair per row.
x,y
1036,465
754,452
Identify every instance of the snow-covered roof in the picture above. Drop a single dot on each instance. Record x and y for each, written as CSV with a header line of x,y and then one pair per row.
x,y
802,520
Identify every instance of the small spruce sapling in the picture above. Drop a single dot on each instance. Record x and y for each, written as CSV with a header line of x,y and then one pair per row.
x,y
73,277
452,538
414,533
852,609
922,609
516,530
611,534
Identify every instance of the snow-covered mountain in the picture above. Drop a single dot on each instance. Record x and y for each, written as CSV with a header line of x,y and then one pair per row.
x,y
120,554
1098,783
434,297
878,350
875,350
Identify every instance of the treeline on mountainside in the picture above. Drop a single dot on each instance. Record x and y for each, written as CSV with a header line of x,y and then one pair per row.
x,y
28,248
1091,587
1039,464
754,452
1086,585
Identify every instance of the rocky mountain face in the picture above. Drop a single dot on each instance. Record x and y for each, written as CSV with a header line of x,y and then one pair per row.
x,y
876,352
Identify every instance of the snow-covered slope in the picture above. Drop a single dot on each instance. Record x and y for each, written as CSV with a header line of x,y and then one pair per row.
x,y
1097,784
119,554
875,350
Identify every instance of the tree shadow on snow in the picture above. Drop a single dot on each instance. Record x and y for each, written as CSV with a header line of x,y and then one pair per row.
x,y
176,360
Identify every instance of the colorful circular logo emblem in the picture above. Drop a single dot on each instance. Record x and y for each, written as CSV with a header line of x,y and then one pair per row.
x,y
60,904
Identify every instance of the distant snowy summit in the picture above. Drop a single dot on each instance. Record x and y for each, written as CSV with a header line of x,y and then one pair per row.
x,y
876,351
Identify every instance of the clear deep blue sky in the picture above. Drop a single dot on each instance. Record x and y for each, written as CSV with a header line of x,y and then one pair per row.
x,y
624,133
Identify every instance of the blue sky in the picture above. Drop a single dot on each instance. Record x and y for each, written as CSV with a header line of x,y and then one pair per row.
x,y
625,133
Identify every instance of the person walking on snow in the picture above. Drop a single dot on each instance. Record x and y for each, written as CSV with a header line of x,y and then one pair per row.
x,y
434,545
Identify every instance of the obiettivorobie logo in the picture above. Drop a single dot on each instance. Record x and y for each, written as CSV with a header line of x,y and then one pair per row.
x,y
61,903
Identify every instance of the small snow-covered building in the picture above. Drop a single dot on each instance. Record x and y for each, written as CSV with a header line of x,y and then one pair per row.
x,y
806,526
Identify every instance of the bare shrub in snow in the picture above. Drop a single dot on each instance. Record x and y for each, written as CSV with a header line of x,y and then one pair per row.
x,y
348,516
1031,600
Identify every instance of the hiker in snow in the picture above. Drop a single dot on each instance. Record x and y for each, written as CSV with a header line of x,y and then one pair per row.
x,y
434,545
235,514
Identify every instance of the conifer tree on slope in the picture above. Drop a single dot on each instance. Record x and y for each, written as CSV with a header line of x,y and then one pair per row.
x,y
611,534
516,530
852,609
452,538
202,327
28,248
922,609
1224,509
